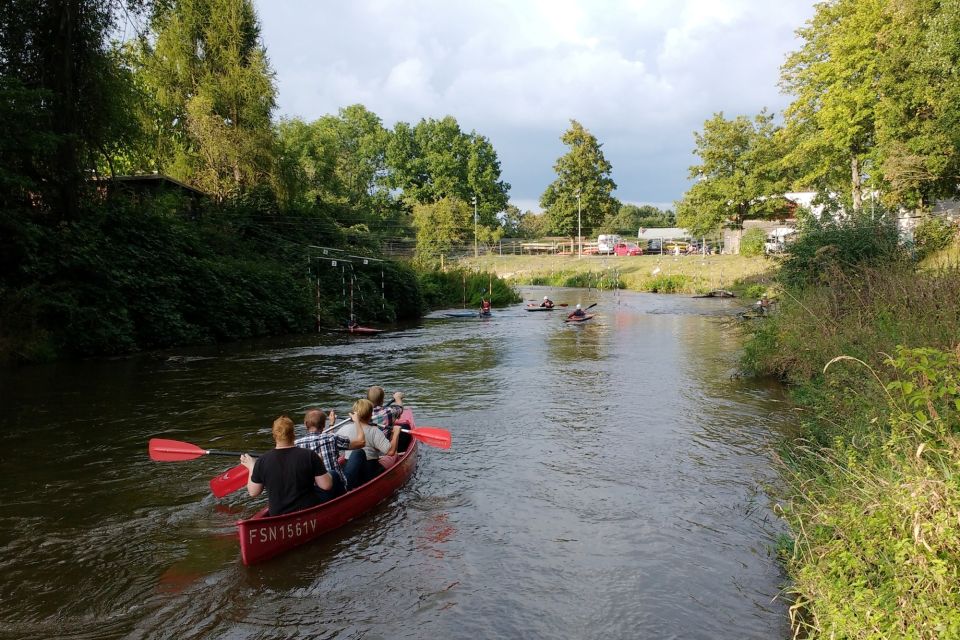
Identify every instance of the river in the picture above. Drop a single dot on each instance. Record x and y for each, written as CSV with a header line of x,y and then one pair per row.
x,y
606,480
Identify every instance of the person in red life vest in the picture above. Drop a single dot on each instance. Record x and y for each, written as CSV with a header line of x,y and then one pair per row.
x,y
547,302
291,475
577,313
485,307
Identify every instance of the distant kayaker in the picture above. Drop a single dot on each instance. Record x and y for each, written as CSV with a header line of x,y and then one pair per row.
x,y
577,313
547,303
352,324
328,445
290,475
485,307
377,445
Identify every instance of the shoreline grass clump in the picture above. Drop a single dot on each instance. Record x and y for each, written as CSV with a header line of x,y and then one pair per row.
x,y
873,481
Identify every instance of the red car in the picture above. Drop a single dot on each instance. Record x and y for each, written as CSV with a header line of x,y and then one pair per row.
x,y
627,249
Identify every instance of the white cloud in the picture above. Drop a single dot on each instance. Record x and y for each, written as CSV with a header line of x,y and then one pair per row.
x,y
641,75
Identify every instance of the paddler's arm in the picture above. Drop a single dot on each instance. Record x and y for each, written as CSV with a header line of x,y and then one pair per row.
x,y
253,488
394,439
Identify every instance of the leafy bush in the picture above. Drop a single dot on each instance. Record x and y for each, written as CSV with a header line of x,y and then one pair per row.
x,y
752,243
933,234
459,286
822,251
675,283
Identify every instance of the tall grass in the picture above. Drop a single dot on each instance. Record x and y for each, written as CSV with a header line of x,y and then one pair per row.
x,y
874,483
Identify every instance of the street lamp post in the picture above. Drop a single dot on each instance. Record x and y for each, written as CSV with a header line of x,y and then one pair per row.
x,y
579,232
476,252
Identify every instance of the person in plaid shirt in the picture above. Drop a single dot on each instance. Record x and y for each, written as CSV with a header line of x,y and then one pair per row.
x,y
384,417
328,446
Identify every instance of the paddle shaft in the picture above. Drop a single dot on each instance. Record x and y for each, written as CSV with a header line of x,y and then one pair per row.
x,y
585,310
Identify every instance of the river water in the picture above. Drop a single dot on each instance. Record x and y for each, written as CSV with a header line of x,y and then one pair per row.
x,y
606,480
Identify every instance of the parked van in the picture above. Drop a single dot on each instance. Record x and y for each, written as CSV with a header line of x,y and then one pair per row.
x,y
606,243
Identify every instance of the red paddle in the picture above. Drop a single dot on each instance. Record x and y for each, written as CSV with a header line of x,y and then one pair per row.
x,y
173,451
431,436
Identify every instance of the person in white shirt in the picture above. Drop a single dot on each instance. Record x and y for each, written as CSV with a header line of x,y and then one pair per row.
x,y
359,471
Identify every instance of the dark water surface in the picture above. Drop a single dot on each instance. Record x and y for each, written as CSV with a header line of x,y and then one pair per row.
x,y
606,481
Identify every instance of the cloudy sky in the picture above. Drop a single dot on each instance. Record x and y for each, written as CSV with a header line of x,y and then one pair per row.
x,y
641,75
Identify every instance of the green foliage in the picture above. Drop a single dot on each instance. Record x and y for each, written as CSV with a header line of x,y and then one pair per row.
x,y
822,252
630,218
64,97
211,95
738,176
831,123
674,283
752,243
440,228
459,287
435,160
874,497
932,235
582,170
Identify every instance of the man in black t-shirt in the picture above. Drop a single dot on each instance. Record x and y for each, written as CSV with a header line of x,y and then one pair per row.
x,y
290,474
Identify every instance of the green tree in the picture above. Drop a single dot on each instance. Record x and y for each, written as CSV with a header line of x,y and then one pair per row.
x,y
738,176
64,96
441,226
341,158
834,78
582,170
917,137
435,160
630,218
213,95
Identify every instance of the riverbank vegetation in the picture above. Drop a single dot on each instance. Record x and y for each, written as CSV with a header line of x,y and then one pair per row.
x,y
869,343
693,274
867,328
149,197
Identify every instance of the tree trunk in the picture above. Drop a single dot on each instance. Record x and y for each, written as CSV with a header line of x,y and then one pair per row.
x,y
855,183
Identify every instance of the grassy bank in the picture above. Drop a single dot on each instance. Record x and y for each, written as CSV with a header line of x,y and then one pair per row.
x,y
654,273
874,500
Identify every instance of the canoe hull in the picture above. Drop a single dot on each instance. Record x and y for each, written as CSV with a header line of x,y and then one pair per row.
x,y
263,537
576,319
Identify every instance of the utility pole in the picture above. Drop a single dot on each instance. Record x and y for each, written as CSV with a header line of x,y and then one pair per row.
x,y
579,233
476,252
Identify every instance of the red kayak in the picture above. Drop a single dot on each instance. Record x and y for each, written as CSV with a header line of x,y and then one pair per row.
x,y
580,318
263,536
365,330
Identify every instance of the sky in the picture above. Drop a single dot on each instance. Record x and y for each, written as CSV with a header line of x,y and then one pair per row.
x,y
640,75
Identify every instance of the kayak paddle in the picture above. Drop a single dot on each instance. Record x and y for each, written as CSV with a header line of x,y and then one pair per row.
x,y
587,309
431,436
163,450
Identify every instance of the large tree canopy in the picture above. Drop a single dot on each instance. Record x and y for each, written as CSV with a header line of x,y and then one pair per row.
x,y
738,176
435,160
583,170
834,76
64,98
213,94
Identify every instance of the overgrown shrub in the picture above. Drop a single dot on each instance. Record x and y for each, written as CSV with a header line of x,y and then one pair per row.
x,y
933,234
461,287
752,243
822,251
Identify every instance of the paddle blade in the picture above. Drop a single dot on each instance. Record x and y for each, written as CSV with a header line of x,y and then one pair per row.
x,y
173,450
229,481
432,436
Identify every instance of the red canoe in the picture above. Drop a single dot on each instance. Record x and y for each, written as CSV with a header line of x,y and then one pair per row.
x,y
262,536
579,319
